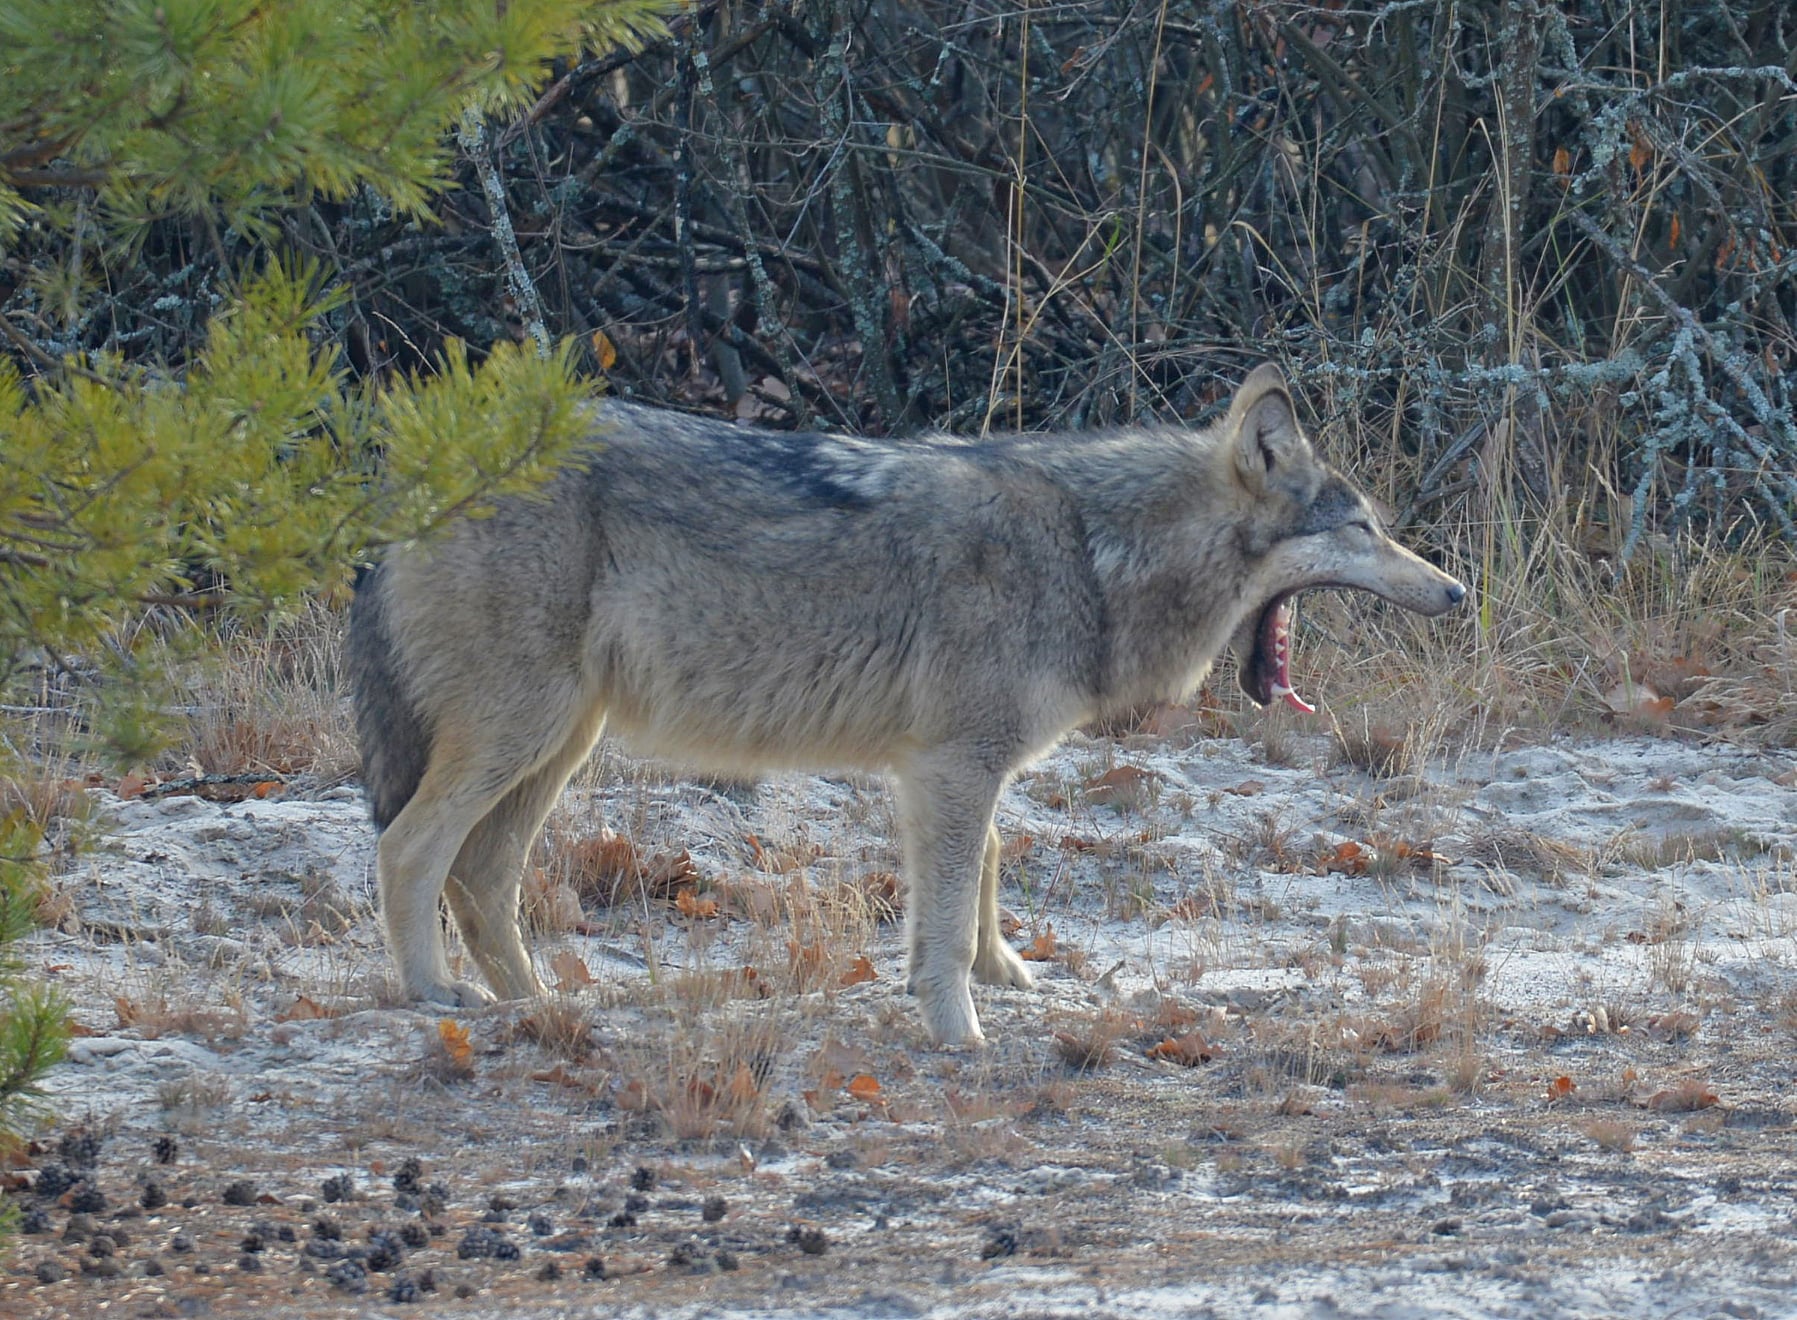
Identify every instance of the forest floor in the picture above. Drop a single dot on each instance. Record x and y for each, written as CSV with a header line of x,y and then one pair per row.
x,y
1508,1035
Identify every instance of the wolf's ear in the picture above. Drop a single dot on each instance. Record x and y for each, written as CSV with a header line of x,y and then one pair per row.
x,y
1263,428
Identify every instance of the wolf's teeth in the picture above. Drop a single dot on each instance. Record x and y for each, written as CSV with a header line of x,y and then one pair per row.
x,y
1292,699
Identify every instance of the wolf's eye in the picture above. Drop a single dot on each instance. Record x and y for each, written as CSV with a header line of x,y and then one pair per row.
x,y
1361,524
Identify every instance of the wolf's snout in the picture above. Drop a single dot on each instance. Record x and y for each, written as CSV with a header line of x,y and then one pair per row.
x,y
1456,593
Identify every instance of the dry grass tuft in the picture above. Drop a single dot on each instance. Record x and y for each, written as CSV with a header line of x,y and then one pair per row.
x,y
1611,1134
561,1026
1088,1042
711,1078
45,796
159,1010
1512,849
606,868
272,701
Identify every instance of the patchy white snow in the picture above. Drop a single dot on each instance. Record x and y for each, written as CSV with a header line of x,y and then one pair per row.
x,y
1618,914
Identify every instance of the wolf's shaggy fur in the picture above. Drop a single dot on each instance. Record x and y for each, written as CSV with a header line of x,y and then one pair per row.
x,y
941,609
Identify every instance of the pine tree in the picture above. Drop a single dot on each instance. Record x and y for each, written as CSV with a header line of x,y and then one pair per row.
x,y
258,472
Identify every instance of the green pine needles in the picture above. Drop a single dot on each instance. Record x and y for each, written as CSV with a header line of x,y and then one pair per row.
x,y
229,108
257,473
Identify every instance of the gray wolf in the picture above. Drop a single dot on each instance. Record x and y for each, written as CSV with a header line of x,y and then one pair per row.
x,y
940,609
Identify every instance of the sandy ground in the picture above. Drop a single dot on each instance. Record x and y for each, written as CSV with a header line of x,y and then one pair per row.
x,y
1510,1036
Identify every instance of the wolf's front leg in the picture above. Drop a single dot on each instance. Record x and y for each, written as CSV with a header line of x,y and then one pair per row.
x,y
995,962
945,815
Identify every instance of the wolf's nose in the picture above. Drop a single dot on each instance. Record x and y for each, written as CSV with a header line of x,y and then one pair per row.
x,y
1456,593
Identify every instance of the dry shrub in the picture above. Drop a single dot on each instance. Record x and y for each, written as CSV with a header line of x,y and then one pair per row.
x,y
606,868
43,796
321,914
1687,637
713,1078
706,988
156,1011
1375,746
195,1095
560,1025
551,905
1612,1134
272,701
1088,1042
1512,849
806,936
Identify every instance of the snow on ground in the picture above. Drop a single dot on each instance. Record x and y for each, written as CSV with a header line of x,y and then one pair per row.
x,y
1510,1036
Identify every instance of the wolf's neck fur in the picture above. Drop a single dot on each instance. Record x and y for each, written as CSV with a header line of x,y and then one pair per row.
x,y
1163,517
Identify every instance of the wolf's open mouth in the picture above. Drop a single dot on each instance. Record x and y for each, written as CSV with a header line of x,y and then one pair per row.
x,y
1267,672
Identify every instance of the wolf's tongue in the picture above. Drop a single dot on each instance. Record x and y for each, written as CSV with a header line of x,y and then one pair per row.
x,y
1282,661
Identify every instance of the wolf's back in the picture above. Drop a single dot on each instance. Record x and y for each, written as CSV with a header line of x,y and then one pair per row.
x,y
394,740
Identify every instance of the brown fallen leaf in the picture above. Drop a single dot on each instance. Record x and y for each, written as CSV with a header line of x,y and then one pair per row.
x,y
604,351
862,971
691,905
1042,948
1349,858
570,970
1016,846
304,1009
1121,786
561,1076
457,1048
1561,1087
865,1088
1684,1097
1187,1050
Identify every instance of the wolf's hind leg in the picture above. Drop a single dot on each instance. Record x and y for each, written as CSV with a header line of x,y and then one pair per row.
x,y
995,962
478,755
413,857
945,815
486,876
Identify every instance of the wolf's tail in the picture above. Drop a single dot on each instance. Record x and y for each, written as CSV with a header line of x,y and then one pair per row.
x,y
395,742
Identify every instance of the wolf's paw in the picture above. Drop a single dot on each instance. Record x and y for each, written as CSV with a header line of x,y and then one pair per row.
x,y
948,1014
998,964
456,994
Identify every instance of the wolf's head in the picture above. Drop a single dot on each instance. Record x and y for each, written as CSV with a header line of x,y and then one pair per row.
x,y
1304,526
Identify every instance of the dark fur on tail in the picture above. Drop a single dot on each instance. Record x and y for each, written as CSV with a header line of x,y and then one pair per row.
x,y
395,743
